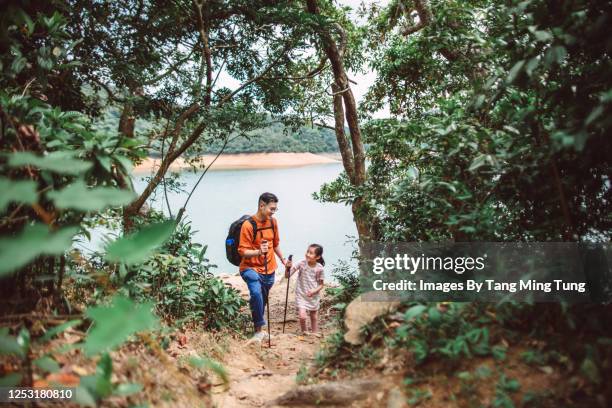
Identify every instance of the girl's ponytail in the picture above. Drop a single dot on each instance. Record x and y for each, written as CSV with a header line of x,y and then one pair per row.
x,y
318,252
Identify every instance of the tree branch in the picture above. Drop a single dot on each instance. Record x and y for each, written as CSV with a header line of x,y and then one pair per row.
x,y
309,75
425,16
203,29
170,70
229,96
110,93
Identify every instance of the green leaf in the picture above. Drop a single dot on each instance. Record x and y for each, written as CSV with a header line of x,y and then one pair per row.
x,y
10,380
532,65
100,384
19,191
125,163
27,20
9,345
122,271
33,241
19,62
414,311
105,162
47,364
516,69
58,329
137,247
23,339
499,352
512,385
595,113
83,397
555,54
448,185
434,314
209,363
78,197
542,36
127,389
478,161
589,369
114,324
57,162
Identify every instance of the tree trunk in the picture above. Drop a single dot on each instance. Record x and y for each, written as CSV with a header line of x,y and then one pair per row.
x,y
345,108
133,209
127,120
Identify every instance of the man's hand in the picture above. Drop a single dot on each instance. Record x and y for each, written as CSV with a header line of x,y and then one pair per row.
x,y
264,247
288,263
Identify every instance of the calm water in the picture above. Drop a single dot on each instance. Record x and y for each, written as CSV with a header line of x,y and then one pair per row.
x,y
223,196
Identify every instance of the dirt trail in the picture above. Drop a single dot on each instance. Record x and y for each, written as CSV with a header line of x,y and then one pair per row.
x,y
259,374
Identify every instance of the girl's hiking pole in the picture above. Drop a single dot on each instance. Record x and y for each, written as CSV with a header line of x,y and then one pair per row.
x,y
267,298
286,294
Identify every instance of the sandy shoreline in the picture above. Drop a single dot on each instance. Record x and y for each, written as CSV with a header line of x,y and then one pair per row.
x,y
245,161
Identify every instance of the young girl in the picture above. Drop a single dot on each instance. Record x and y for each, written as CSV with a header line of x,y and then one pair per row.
x,y
309,284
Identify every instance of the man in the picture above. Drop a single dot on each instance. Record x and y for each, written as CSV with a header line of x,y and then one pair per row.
x,y
258,264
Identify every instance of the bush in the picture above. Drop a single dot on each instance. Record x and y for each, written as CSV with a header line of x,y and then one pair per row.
x,y
348,289
178,277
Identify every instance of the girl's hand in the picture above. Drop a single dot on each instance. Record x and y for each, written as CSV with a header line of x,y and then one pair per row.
x,y
288,263
309,293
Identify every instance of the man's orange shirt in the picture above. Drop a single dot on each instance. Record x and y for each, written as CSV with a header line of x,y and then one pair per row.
x,y
247,243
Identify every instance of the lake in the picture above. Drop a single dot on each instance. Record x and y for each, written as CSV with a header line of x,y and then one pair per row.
x,y
225,195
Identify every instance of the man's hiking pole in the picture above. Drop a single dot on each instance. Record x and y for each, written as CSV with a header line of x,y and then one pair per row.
x,y
287,294
267,298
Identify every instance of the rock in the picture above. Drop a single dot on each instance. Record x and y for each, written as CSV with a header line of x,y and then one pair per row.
x,y
359,313
396,399
332,393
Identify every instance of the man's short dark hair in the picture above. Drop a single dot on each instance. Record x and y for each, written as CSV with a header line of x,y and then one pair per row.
x,y
268,198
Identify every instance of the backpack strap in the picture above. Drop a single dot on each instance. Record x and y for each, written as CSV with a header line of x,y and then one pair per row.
x,y
254,224
273,227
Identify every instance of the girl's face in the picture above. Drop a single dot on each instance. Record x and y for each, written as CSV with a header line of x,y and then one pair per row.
x,y
311,256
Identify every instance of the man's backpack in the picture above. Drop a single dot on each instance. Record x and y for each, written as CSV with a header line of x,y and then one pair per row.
x,y
232,242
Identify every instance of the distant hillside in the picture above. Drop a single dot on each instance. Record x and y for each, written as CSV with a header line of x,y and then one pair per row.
x,y
274,139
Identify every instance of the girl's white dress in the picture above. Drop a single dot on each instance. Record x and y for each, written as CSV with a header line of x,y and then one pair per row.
x,y
308,278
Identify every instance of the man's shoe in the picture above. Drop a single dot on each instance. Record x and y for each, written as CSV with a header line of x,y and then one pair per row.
x,y
258,337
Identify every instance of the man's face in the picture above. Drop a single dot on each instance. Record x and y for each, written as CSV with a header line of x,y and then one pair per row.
x,y
268,209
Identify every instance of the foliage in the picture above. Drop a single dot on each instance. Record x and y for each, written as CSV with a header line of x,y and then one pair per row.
x,y
211,365
348,286
60,170
571,340
178,277
427,332
62,166
115,323
499,124
136,247
497,134
93,388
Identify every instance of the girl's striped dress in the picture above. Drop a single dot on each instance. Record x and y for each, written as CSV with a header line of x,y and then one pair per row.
x,y
308,278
